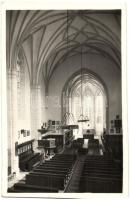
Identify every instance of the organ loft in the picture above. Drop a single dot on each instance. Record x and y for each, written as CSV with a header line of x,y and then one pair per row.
x,y
64,101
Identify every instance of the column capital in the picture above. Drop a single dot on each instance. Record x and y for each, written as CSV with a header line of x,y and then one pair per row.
x,y
36,86
12,72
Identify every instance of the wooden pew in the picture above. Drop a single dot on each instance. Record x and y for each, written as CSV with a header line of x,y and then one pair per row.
x,y
98,157
26,188
99,166
101,174
65,155
51,171
55,165
49,180
52,167
60,161
66,158
101,184
108,171
50,176
66,170
113,144
63,159
57,162
54,174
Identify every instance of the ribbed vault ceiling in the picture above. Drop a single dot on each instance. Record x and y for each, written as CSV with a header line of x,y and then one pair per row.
x,y
47,38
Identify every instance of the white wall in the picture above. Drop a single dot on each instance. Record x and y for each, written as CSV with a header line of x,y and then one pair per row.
x,y
43,102
103,67
24,121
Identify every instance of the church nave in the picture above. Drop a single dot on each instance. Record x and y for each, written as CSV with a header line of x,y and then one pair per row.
x,y
64,101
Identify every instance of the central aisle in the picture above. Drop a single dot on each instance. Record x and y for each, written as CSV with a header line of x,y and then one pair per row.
x,y
74,182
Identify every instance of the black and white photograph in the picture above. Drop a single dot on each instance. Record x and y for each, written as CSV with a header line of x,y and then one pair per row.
x,y
64,95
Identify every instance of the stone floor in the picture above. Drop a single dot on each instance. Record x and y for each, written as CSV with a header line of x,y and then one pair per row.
x,y
14,179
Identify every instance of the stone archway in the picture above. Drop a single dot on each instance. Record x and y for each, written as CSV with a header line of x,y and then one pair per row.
x,y
95,100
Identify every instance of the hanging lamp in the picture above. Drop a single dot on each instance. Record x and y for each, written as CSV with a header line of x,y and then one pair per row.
x,y
82,118
68,116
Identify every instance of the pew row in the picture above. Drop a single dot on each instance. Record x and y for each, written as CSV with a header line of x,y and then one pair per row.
x,y
50,176
101,175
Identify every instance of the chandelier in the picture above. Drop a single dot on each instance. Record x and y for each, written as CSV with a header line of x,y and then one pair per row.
x,y
68,118
82,118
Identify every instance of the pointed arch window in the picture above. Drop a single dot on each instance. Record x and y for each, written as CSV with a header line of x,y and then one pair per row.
x,y
93,103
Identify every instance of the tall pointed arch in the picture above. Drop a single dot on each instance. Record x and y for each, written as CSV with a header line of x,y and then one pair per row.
x,y
95,99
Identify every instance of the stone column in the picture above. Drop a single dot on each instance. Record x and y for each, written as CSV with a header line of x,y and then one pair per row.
x,y
94,123
44,105
39,109
9,119
36,121
12,119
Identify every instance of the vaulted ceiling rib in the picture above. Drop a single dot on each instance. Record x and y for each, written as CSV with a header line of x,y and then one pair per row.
x,y
42,35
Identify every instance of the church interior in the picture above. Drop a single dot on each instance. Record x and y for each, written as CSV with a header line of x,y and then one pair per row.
x,y
64,101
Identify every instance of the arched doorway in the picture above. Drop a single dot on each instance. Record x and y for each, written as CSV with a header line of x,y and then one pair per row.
x,y
94,102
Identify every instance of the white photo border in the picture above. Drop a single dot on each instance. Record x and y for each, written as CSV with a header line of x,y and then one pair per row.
x,y
65,4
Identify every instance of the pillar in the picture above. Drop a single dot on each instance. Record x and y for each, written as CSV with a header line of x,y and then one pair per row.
x,y
36,121
9,118
39,113
12,119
